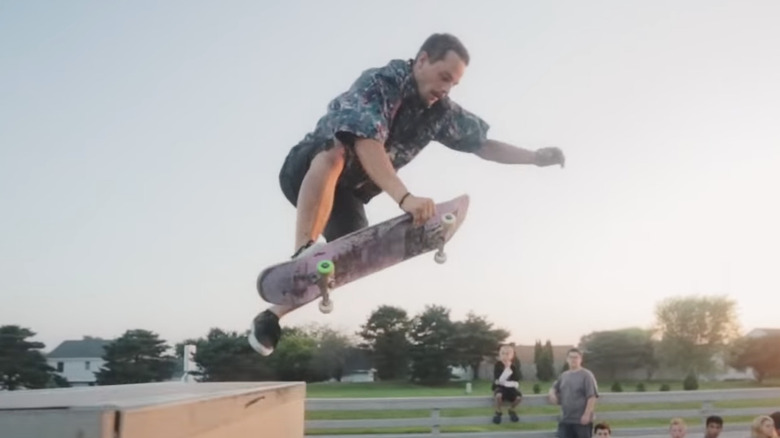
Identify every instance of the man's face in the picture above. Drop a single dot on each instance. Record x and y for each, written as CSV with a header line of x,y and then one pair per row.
x,y
436,79
574,359
713,430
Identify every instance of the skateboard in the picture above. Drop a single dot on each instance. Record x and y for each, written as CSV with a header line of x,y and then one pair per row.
x,y
361,253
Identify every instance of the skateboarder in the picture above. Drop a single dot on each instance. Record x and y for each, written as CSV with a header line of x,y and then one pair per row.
x,y
368,132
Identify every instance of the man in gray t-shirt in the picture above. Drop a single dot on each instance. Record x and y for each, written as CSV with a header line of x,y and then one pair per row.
x,y
576,391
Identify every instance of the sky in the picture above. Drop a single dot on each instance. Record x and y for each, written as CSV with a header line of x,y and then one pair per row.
x,y
140,145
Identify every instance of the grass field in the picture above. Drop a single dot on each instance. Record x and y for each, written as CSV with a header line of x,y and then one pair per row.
x,y
482,389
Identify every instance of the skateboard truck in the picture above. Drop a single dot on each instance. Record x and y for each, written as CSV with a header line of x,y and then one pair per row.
x,y
447,220
325,279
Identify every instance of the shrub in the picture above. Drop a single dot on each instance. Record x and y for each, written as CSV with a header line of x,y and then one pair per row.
x,y
691,382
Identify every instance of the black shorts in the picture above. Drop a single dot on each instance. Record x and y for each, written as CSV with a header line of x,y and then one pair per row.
x,y
507,394
570,430
348,213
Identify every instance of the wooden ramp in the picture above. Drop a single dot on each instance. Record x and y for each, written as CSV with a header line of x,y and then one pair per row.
x,y
156,410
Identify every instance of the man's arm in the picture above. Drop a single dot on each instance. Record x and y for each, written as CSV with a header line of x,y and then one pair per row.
x,y
378,167
589,408
464,131
592,391
360,120
504,153
552,394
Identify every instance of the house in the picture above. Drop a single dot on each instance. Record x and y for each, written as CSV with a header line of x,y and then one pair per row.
x,y
762,332
77,361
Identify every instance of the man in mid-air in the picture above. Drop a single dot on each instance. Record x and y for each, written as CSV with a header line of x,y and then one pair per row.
x,y
379,125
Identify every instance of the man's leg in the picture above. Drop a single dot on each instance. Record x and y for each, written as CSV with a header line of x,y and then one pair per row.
x,y
515,400
499,400
315,197
322,209
347,215
565,430
584,430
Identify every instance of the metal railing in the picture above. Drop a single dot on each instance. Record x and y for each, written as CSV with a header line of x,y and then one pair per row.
x,y
707,399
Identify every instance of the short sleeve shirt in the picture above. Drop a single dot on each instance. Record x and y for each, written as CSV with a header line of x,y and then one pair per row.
x,y
383,104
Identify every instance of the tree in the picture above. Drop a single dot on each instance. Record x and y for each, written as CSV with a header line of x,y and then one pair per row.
x,y
226,356
475,339
545,365
22,365
762,355
617,351
136,357
385,336
332,350
433,349
694,329
293,359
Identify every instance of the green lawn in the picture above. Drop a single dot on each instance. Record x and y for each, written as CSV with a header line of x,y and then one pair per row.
x,y
482,389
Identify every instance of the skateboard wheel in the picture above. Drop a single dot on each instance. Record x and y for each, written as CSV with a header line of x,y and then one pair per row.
x,y
325,267
440,257
448,219
326,307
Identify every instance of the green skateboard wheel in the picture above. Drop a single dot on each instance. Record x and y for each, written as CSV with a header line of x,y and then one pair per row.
x,y
325,267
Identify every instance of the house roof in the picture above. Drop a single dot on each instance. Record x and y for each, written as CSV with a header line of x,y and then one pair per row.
x,y
87,347
765,331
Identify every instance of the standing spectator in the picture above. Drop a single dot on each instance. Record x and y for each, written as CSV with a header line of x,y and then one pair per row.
x,y
576,391
763,427
602,430
714,426
506,386
677,428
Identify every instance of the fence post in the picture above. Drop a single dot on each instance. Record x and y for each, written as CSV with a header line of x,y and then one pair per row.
x,y
435,416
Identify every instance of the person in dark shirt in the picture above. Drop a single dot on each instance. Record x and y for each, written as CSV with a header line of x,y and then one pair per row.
x,y
506,383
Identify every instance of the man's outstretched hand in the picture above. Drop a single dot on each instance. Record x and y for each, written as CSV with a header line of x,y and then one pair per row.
x,y
421,209
549,157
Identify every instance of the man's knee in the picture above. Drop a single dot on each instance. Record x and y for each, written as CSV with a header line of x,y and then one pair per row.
x,y
499,397
332,158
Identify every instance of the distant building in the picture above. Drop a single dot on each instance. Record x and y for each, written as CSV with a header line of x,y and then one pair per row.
x,y
762,332
77,361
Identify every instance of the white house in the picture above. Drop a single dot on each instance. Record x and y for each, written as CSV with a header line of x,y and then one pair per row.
x,y
762,332
77,361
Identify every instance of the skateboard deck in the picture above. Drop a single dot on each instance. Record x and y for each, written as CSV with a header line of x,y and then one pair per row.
x,y
359,254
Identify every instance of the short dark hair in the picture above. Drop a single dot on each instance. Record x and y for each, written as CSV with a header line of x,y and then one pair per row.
x,y
714,419
438,44
775,416
574,350
600,426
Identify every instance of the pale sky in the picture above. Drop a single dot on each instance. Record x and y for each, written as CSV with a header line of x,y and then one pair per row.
x,y
140,144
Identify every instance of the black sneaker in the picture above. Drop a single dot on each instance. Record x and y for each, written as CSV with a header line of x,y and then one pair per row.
x,y
513,416
265,332
497,418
